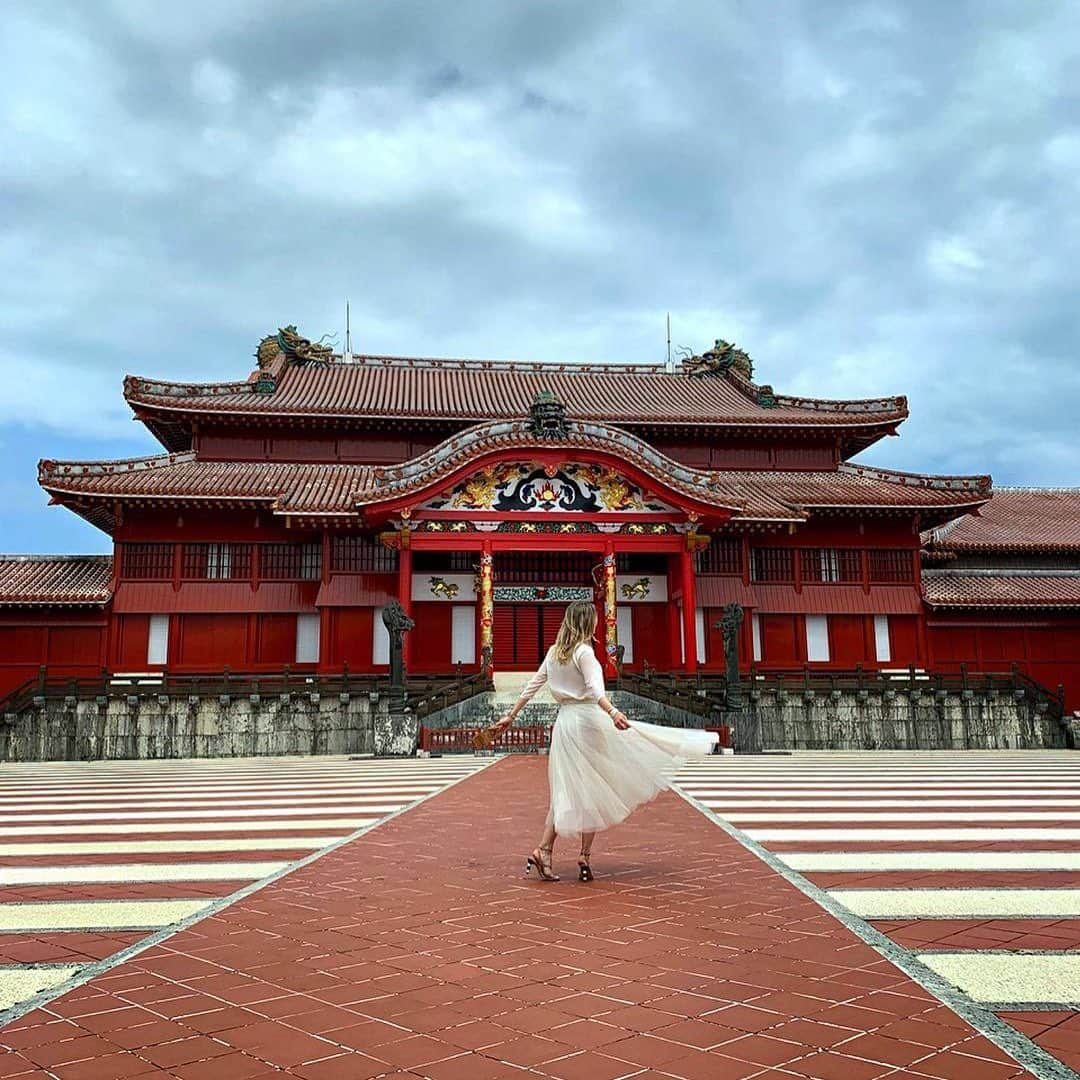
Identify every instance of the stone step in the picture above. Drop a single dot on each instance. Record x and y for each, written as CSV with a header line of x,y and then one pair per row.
x,y
509,684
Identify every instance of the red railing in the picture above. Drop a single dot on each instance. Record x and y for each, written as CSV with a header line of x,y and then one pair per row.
x,y
460,740
520,740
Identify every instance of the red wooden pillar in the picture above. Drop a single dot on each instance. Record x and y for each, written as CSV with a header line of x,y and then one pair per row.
x,y
487,609
689,601
405,596
611,621
327,648
673,617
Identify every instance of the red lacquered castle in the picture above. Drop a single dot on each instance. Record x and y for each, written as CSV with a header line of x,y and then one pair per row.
x,y
289,508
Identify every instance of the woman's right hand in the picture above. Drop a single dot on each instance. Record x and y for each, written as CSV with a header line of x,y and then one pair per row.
x,y
619,719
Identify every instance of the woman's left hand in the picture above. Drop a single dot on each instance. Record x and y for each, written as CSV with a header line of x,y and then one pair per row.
x,y
620,721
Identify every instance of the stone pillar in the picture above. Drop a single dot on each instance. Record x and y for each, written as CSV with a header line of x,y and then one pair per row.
x,y
487,610
611,622
689,595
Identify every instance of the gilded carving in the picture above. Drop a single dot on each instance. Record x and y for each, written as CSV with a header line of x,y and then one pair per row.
x,y
442,587
638,590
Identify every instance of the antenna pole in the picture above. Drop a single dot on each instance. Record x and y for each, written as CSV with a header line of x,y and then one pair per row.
x,y
348,336
669,341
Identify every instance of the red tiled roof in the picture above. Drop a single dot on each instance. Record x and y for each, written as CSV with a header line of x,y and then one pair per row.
x,y
291,488
62,580
1016,520
470,391
1002,588
321,489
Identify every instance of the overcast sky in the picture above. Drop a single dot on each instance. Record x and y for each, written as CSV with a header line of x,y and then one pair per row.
x,y
871,198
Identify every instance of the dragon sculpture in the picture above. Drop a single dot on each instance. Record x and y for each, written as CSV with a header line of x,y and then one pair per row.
x,y
721,358
296,349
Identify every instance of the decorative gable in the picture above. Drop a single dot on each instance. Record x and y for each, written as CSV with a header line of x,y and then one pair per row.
x,y
531,488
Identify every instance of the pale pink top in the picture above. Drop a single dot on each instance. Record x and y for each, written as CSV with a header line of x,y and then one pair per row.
x,y
580,680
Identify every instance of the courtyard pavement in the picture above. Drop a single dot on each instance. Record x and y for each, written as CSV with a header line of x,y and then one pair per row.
x,y
847,916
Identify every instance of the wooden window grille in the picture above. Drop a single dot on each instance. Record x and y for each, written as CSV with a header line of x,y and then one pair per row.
x,y
831,564
362,554
216,562
722,556
290,562
891,565
640,562
545,568
772,564
148,562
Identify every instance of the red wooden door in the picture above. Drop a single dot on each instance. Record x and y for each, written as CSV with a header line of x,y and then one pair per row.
x,y
651,636
277,639
551,620
528,628
780,640
903,642
132,641
430,641
502,631
213,641
847,641
351,632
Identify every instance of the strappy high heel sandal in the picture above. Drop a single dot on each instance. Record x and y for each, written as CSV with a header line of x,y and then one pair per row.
x,y
540,860
584,869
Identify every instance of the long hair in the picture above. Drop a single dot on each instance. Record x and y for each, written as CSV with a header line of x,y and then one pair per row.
x,y
578,625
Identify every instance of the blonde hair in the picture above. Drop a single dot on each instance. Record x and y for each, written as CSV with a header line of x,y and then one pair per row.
x,y
578,625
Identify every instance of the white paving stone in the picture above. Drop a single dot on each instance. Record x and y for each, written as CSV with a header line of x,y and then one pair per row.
x,y
123,828
149,847
780,803
960,903
22,982
866,861
943,816
1011,978
124,873
900,836
376,809
96,914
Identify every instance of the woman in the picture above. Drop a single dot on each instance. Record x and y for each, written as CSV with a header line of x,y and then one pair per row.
x,y
601,766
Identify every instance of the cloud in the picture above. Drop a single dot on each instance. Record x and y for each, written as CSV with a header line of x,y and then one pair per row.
x,y
871,198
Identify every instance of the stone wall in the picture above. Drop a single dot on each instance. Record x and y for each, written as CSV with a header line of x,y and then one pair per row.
x,y
905,719
902,719
151,726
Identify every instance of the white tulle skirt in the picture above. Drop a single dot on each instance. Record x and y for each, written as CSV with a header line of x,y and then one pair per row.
x,y
598,774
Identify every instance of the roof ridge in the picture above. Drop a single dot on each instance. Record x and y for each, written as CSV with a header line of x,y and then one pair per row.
x,y
1003,571
51,469
38,558
1031,490
571,367
168,388
971,482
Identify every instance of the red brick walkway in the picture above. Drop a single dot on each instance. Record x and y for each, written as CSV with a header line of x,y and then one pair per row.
x,y
420,951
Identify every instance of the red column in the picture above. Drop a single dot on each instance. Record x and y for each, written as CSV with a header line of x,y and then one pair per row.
x,y
405,596
611,622
674,660
689,600
486,607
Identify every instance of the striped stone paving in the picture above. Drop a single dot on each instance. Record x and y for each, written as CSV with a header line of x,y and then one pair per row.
x,y
418,951
965,861
162,843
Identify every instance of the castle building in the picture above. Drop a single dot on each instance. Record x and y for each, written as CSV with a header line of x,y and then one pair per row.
x,y
289,508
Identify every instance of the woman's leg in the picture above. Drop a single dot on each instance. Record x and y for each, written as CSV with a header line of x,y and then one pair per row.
x,y
547,841
584,869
